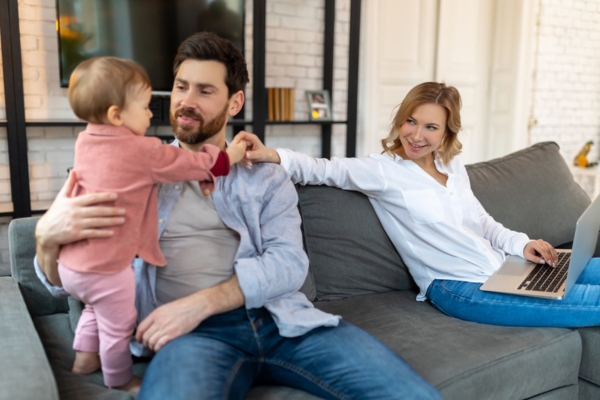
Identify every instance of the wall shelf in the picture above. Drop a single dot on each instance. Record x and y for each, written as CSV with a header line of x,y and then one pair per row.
x,y
304,122
66,122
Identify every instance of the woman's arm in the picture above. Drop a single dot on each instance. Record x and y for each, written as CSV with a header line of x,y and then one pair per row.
x,y
70,219
361,174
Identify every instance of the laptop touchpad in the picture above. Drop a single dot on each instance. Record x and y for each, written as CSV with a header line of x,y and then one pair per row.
x,y
515,266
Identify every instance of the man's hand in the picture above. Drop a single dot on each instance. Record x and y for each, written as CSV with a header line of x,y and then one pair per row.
x,y
540,252
70,219
257,151
171,321
180,317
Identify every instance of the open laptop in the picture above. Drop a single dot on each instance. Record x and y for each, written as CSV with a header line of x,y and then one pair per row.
x,y
522,277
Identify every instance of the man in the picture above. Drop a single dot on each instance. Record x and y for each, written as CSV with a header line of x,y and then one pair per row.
x,y
226,312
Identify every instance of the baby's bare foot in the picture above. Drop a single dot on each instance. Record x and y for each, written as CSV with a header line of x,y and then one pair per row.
x,y
85,363
133,386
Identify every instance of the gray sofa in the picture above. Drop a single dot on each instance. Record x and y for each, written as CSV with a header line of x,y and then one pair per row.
x,y
356,272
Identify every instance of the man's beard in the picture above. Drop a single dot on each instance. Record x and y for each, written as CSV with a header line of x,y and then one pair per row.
x,y
204,131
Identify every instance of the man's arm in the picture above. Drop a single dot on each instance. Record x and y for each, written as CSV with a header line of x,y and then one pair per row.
x,y
70,219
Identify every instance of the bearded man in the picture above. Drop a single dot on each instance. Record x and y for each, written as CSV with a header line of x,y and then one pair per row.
x,y
226,313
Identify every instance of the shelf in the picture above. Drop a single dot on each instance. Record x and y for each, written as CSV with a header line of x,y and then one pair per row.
x,y
304,122
3,122
66,122
54,122
231,122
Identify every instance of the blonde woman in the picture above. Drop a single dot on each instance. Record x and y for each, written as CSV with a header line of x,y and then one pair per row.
x,y
421,193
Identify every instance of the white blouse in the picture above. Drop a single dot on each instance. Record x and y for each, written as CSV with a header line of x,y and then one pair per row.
x,y
440,232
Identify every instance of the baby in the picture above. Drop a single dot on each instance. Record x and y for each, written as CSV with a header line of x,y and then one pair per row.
x,y
112,155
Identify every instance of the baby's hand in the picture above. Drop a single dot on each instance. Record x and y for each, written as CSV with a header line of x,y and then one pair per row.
x,y
257,151
236,150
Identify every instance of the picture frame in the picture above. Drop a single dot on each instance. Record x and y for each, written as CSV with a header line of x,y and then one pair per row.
x,y
319,105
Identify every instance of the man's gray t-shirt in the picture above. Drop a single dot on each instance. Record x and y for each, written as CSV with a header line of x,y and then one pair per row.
x,y
199,248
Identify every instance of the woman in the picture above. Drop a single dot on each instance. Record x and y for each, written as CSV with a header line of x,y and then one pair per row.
x,y
421,192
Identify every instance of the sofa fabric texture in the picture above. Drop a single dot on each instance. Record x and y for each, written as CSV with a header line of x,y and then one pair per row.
x,y
22,245
356,272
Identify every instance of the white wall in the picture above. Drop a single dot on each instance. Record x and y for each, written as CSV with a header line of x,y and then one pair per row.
x,y
566,83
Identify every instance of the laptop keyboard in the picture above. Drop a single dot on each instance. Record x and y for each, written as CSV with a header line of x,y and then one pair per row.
x,y
544,278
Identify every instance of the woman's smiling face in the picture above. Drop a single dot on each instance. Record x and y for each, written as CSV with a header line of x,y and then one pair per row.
x,y
422,133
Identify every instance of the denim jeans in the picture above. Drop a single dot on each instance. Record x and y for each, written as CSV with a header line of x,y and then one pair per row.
x,y
229,352
464,300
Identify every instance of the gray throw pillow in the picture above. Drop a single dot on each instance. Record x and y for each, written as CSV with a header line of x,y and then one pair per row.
x,y
531,191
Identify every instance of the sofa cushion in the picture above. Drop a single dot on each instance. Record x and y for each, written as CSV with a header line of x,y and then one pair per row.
x,y
590,358
349,252
21,243
466,360
57,337
588,390
531,191
21,353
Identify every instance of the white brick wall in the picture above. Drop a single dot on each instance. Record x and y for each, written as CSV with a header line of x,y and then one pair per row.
x,y
566,87
294,58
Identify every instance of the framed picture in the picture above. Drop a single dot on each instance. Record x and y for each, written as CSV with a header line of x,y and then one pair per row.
x,y
319,105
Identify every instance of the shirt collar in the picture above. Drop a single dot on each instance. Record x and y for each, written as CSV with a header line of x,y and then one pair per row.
x,y
108,130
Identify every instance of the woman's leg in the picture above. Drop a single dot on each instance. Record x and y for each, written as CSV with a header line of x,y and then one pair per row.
x,y
464,300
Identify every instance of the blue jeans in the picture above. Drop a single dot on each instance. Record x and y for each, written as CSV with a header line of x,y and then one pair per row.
x,y
464,300
229,352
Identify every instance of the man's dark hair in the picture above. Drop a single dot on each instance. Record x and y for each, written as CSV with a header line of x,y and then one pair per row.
x,y
207,46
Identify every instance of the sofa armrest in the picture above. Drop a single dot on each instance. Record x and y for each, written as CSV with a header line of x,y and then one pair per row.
x,y
25,372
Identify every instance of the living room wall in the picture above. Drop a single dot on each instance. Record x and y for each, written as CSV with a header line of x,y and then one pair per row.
x,y
294,50
566,80
294,59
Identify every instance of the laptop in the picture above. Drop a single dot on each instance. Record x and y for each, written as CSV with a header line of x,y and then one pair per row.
x,y
519,276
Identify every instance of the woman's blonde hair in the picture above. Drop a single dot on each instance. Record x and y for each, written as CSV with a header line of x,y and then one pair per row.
x,y
101,82
429,93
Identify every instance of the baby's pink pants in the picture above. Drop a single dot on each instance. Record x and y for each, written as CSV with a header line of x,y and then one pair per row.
x,y
108,319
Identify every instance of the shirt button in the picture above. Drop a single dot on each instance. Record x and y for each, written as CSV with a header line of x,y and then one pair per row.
x,y
177,187
207,192
160,221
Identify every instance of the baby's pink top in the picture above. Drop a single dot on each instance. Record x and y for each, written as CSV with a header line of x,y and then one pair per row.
x,y
114,159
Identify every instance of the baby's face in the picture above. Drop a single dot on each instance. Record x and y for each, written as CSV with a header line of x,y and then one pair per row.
x,y
136,114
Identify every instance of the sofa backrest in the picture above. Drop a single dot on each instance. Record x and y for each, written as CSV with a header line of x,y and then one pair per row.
x,y
531,191
349,252
21,244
